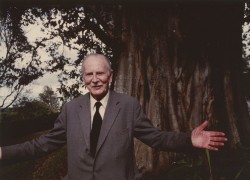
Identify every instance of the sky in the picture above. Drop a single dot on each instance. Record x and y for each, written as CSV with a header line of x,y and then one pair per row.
x,y
33,33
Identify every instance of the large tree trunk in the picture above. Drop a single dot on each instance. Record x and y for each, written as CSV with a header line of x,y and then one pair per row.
x,y
183,63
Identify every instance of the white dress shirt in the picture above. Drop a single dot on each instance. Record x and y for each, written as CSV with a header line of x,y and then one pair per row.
x,y
102,109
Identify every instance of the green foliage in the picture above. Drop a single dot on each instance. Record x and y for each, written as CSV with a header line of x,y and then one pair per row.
x,y
196,167
26,109
200,167
209,163
188,168
244,167
49,97
30,110
26,116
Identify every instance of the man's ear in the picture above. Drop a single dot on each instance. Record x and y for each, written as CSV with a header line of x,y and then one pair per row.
x,y
111,77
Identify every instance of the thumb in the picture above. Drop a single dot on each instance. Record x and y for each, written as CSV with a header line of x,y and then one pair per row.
x,y
203,125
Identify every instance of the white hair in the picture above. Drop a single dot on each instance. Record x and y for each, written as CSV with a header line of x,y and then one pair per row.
x,y
98,55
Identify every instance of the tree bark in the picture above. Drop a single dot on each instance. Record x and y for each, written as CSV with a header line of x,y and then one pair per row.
x,y
183,63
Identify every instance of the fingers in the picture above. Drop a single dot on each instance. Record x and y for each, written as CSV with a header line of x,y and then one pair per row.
x,y
218,139
215,133
212,148
214,144
210,140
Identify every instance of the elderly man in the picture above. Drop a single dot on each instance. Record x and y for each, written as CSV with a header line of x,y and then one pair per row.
x,y
99,128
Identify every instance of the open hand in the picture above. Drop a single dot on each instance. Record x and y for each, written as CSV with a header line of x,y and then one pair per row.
x,y
207,139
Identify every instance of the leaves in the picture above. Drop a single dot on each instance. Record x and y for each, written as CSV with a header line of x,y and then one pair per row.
x,y
49,97
13,72
187,168
64,30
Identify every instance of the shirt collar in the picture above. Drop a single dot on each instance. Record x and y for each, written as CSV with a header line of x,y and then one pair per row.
x,y
104,101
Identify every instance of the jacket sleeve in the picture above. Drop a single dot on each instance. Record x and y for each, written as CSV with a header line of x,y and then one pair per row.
x,y
44,144
156,138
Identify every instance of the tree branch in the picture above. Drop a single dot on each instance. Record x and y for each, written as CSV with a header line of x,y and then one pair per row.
x,y
18,89
105,37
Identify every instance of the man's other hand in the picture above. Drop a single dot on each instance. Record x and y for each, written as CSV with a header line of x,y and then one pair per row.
x,y
207,139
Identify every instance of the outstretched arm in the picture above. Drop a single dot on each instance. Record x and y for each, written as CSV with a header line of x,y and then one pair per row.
x,y
210,140
41,145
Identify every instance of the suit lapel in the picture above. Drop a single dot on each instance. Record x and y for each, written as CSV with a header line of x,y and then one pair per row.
x,y
85,117
111,113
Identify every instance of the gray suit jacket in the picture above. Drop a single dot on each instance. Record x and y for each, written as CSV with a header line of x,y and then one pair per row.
x,y
115,160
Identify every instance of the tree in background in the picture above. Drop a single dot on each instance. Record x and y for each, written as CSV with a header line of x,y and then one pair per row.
x,y
19,63
29,115
49,97
183,62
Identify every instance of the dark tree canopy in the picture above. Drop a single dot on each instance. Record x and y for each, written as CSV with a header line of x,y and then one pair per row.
x,y
15,70
77,28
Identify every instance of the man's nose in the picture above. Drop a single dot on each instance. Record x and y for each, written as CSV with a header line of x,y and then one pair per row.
x,y
95,79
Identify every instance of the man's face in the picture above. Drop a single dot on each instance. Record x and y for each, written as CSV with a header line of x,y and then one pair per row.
x,y
97,76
